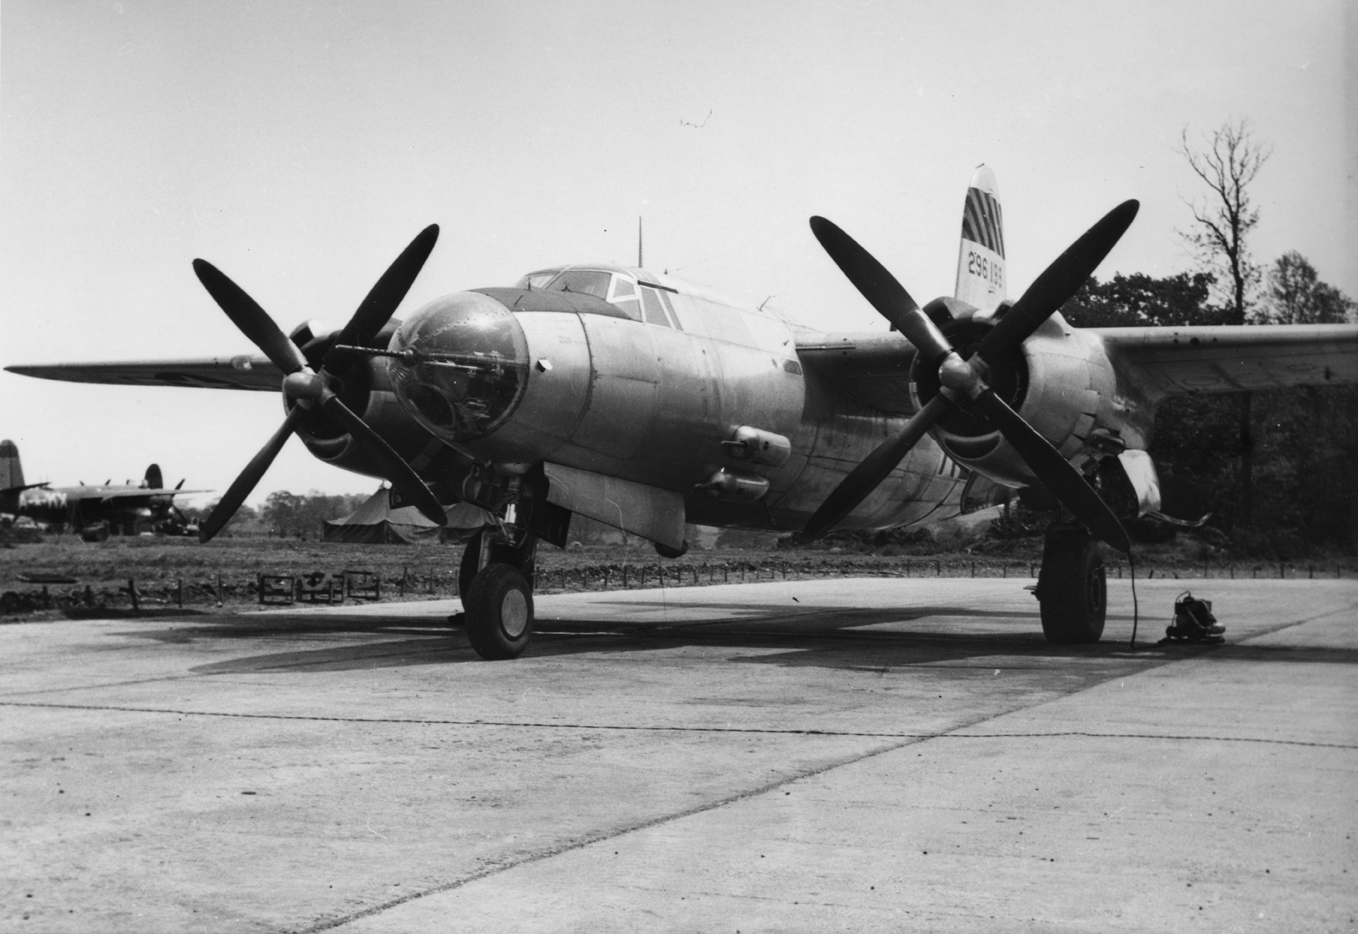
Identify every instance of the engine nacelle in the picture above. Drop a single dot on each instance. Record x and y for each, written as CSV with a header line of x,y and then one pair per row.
x,y
365,386
1062,384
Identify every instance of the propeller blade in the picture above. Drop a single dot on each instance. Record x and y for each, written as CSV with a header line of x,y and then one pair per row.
x,y
1056,473
243,485
1057,284
881,290
386,296
253,320
400,474
873,469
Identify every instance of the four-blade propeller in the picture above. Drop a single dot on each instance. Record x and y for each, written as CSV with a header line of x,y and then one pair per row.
x,y
311,391
963,380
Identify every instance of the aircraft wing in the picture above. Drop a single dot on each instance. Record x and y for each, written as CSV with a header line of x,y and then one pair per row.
x,y
108,494
246,371
871,367
1161,361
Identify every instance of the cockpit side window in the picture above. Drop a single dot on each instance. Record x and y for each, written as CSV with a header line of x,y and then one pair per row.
x,y
624,296
658,309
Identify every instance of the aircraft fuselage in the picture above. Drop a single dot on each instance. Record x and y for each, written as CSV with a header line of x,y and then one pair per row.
x,y
526,375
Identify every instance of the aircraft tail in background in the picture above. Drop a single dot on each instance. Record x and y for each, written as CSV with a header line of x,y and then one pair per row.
x,y
11,471
154,481
980,260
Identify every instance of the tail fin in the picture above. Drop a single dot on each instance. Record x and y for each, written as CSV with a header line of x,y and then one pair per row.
x,y
980,261
154,480
11,471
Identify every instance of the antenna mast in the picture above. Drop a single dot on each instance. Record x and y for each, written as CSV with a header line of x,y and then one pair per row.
x,y
640,264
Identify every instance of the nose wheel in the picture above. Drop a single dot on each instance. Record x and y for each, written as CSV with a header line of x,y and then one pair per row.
x,y
499,610
496,583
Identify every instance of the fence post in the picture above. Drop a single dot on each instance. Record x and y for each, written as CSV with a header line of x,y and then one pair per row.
x,y
219,588
179,592
131,590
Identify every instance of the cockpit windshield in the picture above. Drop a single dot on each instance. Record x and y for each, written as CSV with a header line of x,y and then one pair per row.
x,y
640,301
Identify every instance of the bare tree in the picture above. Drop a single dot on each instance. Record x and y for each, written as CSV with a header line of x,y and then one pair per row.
x,y
1224,219
1225,216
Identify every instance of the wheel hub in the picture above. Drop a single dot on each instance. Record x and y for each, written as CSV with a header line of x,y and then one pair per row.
x,y
514,613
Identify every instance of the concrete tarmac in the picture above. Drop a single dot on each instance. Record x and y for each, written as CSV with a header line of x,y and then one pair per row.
x,y
839,755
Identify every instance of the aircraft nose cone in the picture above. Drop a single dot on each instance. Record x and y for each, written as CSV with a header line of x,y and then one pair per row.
x,y
465,365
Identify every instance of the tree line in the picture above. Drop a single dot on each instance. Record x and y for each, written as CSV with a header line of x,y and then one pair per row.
x,y
285,514
1303,441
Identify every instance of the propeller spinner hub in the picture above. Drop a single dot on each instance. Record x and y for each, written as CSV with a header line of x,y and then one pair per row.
x,y
957,374
304,385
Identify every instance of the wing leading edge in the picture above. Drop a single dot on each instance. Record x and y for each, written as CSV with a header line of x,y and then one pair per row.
x,y
250,372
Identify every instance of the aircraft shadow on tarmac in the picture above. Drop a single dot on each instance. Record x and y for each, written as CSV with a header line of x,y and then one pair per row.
x,y
824,637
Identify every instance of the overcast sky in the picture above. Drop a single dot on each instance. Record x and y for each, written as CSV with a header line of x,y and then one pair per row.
x,y
299,146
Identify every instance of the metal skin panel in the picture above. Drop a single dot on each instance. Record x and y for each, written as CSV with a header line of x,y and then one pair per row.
x,y
1159,361
653,513
558,389
624,395
871,367
837,433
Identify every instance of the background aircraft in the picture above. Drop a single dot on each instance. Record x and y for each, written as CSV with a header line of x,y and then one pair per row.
x,y
644,402
92,511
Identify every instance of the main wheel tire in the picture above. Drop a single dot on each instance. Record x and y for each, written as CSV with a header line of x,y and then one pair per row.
x,y
1072,590
499,612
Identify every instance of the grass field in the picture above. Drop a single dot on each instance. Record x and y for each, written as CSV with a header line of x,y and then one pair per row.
x,y
166,570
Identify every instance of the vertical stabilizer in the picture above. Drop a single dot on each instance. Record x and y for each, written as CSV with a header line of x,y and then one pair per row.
x,y
11,471
154,481
980,261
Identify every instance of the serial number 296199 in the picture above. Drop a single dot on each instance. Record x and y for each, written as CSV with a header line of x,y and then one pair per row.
x,y
978,265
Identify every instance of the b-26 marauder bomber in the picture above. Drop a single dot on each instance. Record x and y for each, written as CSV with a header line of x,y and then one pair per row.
x,y
630,397
92,511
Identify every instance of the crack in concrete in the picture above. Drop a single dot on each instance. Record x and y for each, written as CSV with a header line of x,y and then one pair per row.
x,y
649,728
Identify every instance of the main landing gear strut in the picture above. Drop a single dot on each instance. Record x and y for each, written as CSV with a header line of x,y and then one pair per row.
x,y
1072,588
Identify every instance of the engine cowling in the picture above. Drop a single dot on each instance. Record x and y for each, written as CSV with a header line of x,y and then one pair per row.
x,y
1062,384
364,384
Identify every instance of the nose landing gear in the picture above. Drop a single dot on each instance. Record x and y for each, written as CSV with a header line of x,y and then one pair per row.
x,y
499,612
496,584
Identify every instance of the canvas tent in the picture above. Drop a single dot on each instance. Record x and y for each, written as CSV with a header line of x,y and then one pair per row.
x,y
378,521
